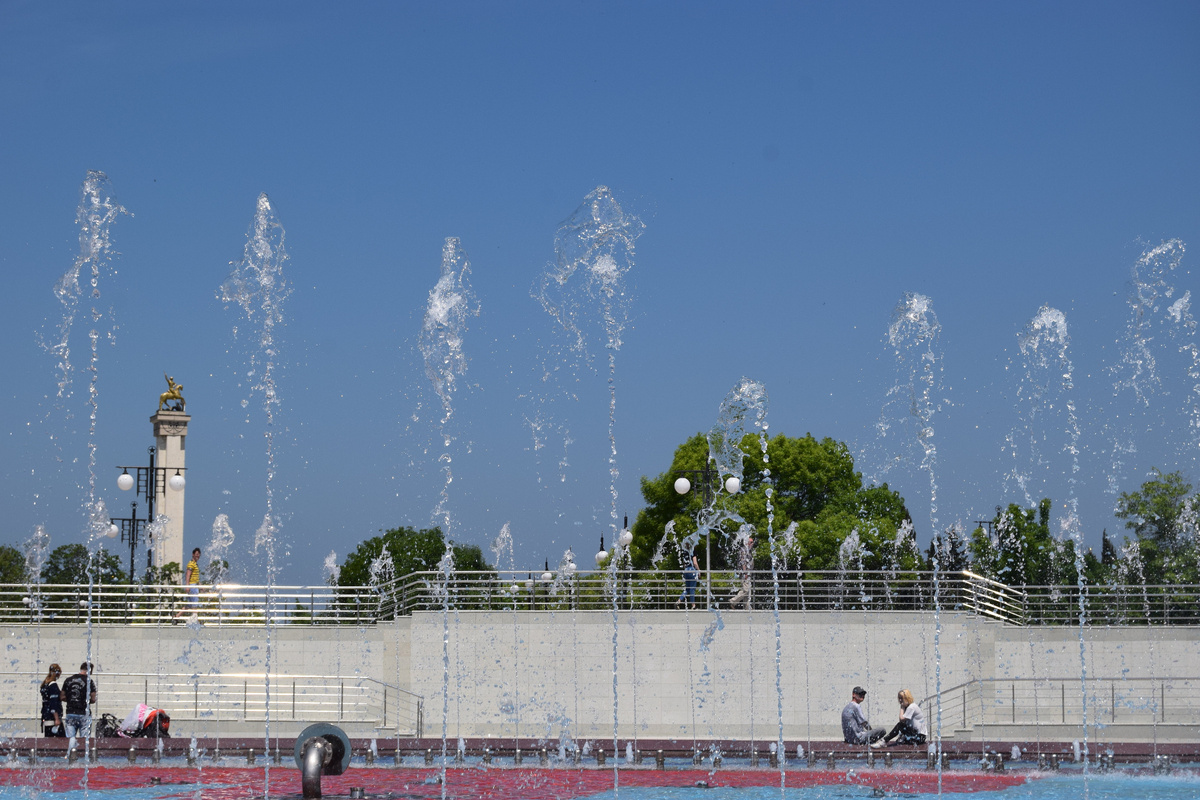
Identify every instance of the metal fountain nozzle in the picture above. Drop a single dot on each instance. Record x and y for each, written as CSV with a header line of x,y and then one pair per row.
x,y
321,749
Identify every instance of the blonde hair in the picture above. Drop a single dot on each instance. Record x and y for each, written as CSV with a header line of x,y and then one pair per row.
x,y
52,674
905,697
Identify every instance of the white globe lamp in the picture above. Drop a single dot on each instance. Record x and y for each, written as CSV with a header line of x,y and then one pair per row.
x,y
733,484
682,486
176,482
124,481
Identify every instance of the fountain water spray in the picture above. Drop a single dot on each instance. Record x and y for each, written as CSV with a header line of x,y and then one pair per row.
x,y
95,215
451,303
908,414
258,286
912,402
218,549
1157,346
1044,345
585,288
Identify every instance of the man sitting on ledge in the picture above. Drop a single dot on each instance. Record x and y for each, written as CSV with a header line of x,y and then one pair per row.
x,y
855,728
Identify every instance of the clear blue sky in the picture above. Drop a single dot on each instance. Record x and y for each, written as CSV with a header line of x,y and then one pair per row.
x,y
798,168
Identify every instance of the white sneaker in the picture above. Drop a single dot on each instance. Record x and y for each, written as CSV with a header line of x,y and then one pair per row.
x,y
878,743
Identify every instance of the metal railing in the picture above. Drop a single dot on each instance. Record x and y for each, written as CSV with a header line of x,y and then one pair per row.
x,y
663,589
883,590
1063,701
219,604
1114,605
199,700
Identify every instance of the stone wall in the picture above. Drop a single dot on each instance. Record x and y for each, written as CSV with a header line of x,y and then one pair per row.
x,y
543,674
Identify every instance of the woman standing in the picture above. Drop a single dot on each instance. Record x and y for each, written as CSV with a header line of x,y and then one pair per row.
x,y
52,708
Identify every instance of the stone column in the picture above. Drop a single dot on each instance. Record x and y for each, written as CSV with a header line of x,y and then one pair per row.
x,y
170,436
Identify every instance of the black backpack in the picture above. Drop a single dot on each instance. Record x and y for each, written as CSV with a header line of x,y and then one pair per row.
x,y
108,726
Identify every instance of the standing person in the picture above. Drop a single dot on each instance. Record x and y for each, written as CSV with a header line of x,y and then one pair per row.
x,y
855,728
79,692
745,567
911,729
691,573
52,708
192,578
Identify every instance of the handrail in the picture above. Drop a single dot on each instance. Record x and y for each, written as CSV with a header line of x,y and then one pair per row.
x,y
244,697
518,590
1068,700
212,604
881,590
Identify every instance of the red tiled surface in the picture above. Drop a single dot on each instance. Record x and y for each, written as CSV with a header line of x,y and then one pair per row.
x,y
224,783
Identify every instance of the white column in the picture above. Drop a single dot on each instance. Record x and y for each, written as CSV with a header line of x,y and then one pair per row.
x,y
170,435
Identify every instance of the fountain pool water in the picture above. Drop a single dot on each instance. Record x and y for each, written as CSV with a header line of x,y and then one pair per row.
x,y
171,782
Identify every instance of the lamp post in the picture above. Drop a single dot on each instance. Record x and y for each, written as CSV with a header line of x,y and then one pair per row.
x,y
705,476
148,482
130,529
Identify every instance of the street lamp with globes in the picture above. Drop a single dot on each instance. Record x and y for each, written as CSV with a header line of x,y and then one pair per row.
x,y
706,476
147,481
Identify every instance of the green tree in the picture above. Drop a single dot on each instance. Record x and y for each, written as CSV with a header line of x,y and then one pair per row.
x,y
411,551
1021,551
1160,515
168,574
814,485
950,550
69,563
1101,570
12,565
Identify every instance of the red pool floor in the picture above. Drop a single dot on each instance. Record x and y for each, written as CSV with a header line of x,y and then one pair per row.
x,y
226,783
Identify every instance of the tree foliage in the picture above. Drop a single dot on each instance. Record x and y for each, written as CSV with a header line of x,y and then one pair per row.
x,y
1020,550
812,484
12,565
69,563
1163,517
169,574
410,551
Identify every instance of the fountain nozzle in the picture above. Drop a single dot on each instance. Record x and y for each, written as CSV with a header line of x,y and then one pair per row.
x,y
321,749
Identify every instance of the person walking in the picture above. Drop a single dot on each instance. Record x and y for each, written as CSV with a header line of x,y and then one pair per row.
x,y
745,570
192,578
855,728
52,707
691,574
79,694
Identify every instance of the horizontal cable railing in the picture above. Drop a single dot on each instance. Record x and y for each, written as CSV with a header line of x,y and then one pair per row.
x,y
1063,701
1114,605
199,700
664,589
212,604
865,590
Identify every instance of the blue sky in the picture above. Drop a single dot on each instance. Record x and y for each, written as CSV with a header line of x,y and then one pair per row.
x,y
798,168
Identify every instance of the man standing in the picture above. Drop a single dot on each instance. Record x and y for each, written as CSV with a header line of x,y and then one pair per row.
x,y
855,728
79,694
192,579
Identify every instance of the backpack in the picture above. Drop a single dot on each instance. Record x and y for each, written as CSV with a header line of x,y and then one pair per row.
x,y
108,727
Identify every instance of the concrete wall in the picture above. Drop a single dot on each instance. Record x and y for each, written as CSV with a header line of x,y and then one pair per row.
x,y
547,674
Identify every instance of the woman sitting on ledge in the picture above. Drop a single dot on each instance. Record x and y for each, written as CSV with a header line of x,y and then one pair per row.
x,y
911,729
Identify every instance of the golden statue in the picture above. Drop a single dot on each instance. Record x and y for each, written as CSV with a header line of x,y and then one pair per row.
x,y
174,393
